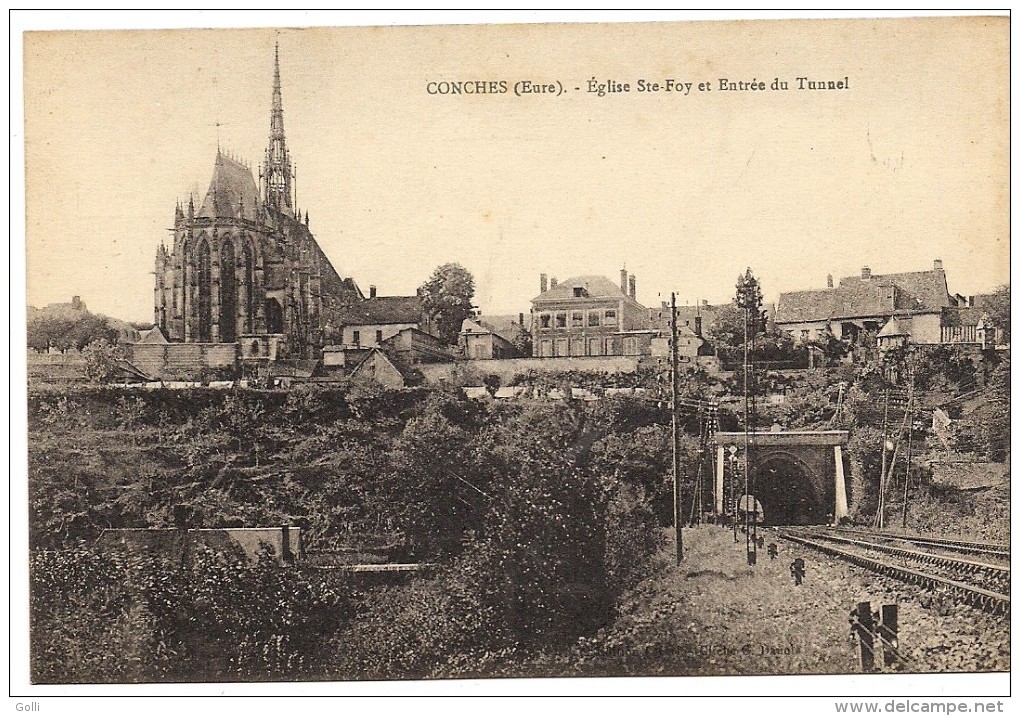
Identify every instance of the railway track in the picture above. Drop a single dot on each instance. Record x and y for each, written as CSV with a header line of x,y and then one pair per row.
x,y
975,595
963,546
994,577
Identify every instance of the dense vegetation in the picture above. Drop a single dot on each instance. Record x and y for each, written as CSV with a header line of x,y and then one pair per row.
x,y
537,517
533,526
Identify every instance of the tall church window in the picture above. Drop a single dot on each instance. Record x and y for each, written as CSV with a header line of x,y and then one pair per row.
x,y
249,288
204,293
274,316
228,293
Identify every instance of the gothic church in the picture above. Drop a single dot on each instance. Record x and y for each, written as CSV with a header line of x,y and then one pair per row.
x,y
245,268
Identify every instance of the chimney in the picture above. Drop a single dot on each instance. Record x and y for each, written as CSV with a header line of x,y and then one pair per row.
x,y
633,287
865,273
704,302
543,282
76,302
938,264
552,282
520,318
623,280
828,281
371,291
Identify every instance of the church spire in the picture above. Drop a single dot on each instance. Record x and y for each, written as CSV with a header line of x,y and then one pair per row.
x,y
278,173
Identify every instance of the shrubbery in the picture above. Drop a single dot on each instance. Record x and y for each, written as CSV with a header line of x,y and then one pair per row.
x,y
533,520
127,618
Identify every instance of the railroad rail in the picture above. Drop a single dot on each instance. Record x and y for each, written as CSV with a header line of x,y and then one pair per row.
x,y
985,599
998,574
957,545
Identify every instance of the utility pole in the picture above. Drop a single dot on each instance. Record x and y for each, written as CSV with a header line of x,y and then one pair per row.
x,y
880,515
748,298
733,489
674,379
910,444
747,435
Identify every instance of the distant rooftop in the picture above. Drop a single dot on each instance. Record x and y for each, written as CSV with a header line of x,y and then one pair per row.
x,y
868,295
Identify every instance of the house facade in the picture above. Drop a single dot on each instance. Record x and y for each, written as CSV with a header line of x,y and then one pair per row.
x,y
589,316
372,322
493,337
919,301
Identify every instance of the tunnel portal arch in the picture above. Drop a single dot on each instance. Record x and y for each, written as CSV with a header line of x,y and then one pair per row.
x,y
786,488
799,475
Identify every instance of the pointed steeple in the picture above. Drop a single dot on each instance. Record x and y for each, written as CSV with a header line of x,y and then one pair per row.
x,y
278,174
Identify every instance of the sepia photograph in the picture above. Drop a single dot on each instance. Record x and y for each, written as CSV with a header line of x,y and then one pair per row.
x,y
522,356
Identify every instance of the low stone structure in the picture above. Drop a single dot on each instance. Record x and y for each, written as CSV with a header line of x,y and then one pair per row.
x,y
181,544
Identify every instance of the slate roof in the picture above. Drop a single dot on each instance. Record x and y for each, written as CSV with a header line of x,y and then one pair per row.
x,y
232,187
892,328
383,310
919,291
408,373
153,335
596,287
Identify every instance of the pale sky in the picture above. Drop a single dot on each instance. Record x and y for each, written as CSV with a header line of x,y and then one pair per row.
x,y
908,165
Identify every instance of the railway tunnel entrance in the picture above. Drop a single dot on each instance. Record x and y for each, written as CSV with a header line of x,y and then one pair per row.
x,y
787,494
797,476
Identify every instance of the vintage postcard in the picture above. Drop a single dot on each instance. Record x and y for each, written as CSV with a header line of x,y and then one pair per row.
x,y
447,354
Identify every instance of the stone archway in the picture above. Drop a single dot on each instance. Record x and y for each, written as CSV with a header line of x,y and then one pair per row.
x,y
785,487
799,475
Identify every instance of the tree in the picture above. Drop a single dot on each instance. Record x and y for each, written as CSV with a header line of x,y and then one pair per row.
x,y
446,297
997,307
61,331
101,359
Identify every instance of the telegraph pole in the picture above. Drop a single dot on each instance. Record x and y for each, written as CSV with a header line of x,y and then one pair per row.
x,y
910,444
749,299
674,379
747,428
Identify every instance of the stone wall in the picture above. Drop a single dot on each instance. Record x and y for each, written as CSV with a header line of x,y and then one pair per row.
x,y
55,367
182,361
180,544
472,372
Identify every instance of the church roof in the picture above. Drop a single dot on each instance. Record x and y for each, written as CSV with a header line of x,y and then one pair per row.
x,y
232,187
383,310
918,291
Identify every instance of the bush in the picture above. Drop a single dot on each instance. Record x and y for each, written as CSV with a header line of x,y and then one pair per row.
x,y
106,618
